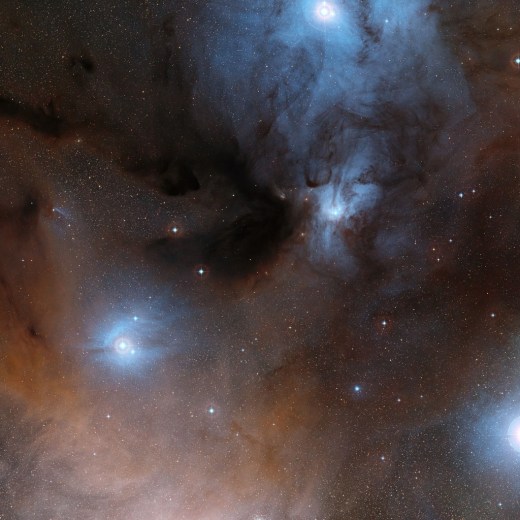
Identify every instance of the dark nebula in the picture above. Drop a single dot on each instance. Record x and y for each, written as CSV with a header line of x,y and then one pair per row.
x,y
259,260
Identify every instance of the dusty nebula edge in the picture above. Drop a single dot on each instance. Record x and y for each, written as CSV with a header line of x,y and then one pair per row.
x,y
259,260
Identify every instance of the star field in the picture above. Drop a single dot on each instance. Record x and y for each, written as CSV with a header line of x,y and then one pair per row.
x,y
259,260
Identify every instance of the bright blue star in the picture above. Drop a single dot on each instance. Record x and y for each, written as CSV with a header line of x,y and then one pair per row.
x,y
513,434
357,389
325,11
129,343
123,346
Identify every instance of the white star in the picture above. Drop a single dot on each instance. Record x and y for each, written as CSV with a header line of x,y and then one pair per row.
x,y
325,11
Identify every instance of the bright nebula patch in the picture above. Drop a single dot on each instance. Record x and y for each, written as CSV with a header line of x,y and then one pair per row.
x,y
513,434
325,11
333,210
133,342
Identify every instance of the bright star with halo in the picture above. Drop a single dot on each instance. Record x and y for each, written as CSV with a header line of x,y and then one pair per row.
x,y
123,345
325,11
513,434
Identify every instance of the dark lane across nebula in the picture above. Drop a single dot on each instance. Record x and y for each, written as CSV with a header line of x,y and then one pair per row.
x,y
259,260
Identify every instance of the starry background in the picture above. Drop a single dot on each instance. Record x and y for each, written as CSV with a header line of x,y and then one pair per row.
x,y
259,260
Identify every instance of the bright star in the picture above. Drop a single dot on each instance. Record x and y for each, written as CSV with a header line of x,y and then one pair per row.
x,y
325,11
211,410
357,388
123,345
201,271
513,434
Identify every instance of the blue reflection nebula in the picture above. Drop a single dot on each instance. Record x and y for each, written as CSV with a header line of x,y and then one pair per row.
x,y
133,342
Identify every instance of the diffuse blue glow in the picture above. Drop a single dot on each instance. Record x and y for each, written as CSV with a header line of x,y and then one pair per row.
x,y
334,96
130,342
492,439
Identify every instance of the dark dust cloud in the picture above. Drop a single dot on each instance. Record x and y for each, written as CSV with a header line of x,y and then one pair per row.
x,y
259,260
